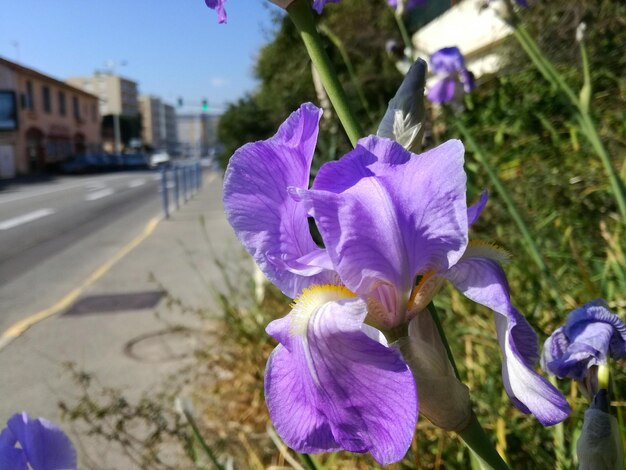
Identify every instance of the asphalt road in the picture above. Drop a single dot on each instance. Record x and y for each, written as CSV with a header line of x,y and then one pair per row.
x,y
54,233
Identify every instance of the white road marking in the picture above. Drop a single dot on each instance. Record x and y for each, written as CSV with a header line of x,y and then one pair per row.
x,y
95,185
64,187
136,183
25,218
99,194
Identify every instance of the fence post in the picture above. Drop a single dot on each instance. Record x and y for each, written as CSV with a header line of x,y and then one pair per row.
x,y
175,179
166,204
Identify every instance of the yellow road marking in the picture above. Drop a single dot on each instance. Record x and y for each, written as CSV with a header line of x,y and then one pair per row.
x,y
21,326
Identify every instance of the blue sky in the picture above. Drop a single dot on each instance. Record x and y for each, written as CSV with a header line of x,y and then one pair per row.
x,y
172,47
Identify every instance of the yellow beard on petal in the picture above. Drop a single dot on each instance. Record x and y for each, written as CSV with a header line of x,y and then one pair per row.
x,y
310,300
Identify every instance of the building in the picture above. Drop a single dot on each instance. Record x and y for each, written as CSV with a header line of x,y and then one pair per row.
x,y
477,31
158,121
43,120
119,106
197,134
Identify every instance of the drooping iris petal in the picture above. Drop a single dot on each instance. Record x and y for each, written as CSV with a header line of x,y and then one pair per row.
x,y
319,5
45,446
270,224
483,281
329,385
474,211
443,91
218,6
591,334
11,458
386,215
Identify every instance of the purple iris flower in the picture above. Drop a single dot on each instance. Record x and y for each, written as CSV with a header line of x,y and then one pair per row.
x,y
43,446
449,64
319,5
409,4
589,337
218,6
386,216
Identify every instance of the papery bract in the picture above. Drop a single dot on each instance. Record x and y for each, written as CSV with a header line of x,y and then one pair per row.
x,y
42,445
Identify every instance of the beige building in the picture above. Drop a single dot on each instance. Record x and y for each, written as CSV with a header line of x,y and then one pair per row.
x,y
158,122
43,120
119,107
197,134
118,95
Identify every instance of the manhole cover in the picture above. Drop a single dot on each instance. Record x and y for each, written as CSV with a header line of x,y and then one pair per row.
x,y
172,344
110,303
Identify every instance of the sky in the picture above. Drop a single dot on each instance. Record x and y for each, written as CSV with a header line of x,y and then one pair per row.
x,y
172,48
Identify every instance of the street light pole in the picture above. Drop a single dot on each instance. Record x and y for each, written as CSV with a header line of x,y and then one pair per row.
x,y
117,135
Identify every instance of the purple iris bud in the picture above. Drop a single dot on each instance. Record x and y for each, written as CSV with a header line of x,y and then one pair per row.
x,y
449,64
218,6
589,337
42,445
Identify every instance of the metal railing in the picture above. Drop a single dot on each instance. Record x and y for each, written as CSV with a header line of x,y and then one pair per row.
x,y
183,179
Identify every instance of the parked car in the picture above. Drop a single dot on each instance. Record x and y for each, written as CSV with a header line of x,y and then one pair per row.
x,y
158,159
134,161
81,164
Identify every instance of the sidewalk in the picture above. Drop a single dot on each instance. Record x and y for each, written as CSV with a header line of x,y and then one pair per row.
x,y
119,329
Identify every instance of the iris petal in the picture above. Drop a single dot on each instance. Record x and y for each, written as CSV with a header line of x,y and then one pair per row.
x,y
11,458
443,91
270,224
46,447
335,387
386,215
483,281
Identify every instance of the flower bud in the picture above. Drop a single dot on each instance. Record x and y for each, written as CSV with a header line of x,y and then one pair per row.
x,y
599,446
443,399
403,119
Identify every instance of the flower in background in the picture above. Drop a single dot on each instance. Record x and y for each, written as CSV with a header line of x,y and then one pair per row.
x,y
218,5
448,63
42,445
589,337
406,5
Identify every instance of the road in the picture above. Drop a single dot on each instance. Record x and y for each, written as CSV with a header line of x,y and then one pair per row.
x,y
54,233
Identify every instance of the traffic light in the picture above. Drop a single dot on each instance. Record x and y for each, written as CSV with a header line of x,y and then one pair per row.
x,y
205,105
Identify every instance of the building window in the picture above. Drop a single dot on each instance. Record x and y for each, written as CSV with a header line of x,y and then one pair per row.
x,y
76,107
47,104
61,103
30,102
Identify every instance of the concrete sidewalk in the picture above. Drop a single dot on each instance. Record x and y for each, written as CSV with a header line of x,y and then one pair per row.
x,y
119,328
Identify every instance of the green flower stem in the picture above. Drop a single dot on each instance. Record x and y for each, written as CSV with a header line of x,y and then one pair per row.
x,y
531,245
581,105
406,39
302,16
473,435
338,43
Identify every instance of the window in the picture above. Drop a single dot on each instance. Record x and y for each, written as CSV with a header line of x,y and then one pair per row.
x,y
47,105
61,103
30,103
76,107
